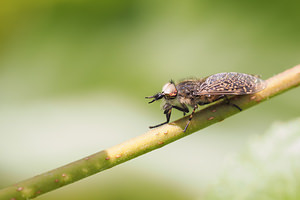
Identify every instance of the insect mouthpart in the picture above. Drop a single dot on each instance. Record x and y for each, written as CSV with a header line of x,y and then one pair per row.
x,y
156,97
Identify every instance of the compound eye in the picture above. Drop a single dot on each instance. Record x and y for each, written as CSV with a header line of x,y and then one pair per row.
x,y
169,89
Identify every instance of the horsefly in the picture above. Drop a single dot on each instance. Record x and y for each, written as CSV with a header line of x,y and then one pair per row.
x,y
196,92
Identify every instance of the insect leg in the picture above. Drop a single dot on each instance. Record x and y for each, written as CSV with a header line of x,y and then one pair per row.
x,y
229,103
190,118
168,115
183,109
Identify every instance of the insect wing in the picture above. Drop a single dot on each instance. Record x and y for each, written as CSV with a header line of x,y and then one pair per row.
x,y
231,83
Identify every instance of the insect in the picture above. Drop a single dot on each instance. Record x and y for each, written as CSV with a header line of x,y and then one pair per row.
x,y
203,91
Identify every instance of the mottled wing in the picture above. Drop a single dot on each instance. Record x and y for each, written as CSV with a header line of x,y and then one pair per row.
x,y
231,83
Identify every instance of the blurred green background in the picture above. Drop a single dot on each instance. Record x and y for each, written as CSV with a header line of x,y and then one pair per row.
x,y
74,74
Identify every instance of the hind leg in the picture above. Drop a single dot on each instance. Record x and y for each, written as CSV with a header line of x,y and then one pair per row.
x,y
232,104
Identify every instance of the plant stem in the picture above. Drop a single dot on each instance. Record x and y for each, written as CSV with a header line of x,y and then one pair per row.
x,y
147,142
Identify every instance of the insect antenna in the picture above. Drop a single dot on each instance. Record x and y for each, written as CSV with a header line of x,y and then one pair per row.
x,y
155,97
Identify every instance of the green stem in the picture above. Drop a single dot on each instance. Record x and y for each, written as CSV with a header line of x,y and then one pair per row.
x,y
147,142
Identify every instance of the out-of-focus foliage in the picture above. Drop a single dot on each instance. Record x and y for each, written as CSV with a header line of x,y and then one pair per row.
x,y
76,46
268,169
74,74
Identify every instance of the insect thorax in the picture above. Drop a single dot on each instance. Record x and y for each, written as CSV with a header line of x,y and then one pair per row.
x,y
188,93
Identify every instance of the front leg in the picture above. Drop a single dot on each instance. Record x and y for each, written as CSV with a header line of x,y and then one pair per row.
x,y
168,116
